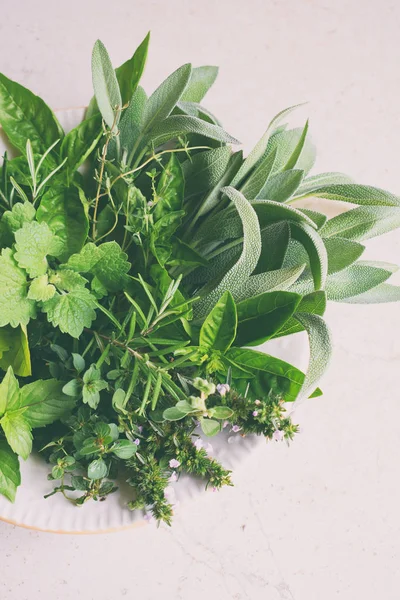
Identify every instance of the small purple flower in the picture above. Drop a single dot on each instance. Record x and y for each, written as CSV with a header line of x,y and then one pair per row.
x,y
199,443
255,413
173,477
278,435
257,402
225,424
236,428
214,489
223,389
140,428
137,442
174,464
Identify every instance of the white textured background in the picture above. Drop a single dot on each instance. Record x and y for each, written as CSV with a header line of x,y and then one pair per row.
x,y
319,520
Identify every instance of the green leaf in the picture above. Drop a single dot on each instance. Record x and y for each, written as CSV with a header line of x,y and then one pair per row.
x,y
124,449
381,293
169,189
72,388
177,125
362,223
106,261
275,240
294,157
44,402
130,73
15,350
18,433
35,241
354,193
9,393
80,142
320,351
66,213
221,412
201,79
40,289
314,303
22,212
163,100
132,119
71,312
269,373
67,280
286,143
204,170
97,469
357,279
219,329
280,279
342,253
258,179
260,317
210,427
15,307
25,116
322,179
105,85
282,186
10,477
78,361
315,248
174,414
318,218
184,254
242,269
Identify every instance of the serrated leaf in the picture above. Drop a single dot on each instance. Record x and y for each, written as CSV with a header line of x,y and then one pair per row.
x,y
21,212
15,350
178,125
33,242
44,402
357,279
25,116
201,79
18,433
40,289
67,280
354,193
15,307
80,142
315,248
71,312
362,223
342,253
219,329
313,303
65,211
10,477
320,351
260,317
242,269
107,262
281,186
9,393
105,85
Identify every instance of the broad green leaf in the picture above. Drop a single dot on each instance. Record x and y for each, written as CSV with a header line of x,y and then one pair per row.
x,y
67,280
80,142
71,312
66,213
362,223
286,143
178,125
275,239
355,194
322,179
97,469
15,307
40,289
169,189
260,148
106,261
314,245
184,254
260,317
201,79
210,427
313,303
15,350
44,402
221,412
219,329
163,100
242,269
258,179
280,279
10,477
357,279
132,118
320,351
318,218
22,212
381,293
342,253
204,170
124,449
269,373
25,116
33,242
281,186
105,85
130,73
18,433
9,392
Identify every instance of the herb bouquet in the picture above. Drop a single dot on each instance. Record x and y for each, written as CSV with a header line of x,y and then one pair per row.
x,y
141,260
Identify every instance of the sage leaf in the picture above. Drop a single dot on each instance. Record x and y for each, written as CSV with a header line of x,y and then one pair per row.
x,y
258,179
105,85
355,194
381,293
357,279
204,170
362,223
178,125
315,182
315,247
282,186
342,253
201,79
281,279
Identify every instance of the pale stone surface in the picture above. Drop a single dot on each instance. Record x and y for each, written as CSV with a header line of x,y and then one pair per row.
x,y
319,519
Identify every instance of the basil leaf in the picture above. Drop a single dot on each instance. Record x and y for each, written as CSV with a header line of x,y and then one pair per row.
x,y
314,303
44,402
130,73
10,477
18,433
219,329
9,393
80,142
14,350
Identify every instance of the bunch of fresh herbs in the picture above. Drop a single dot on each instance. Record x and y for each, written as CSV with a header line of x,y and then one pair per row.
x,y
141,259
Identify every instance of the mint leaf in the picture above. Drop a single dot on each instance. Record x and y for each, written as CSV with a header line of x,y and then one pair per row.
x,y
71,312
107,262
10,477
15,306
67,280
18,433
44,402
9,392
34,241
22,212
40,289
